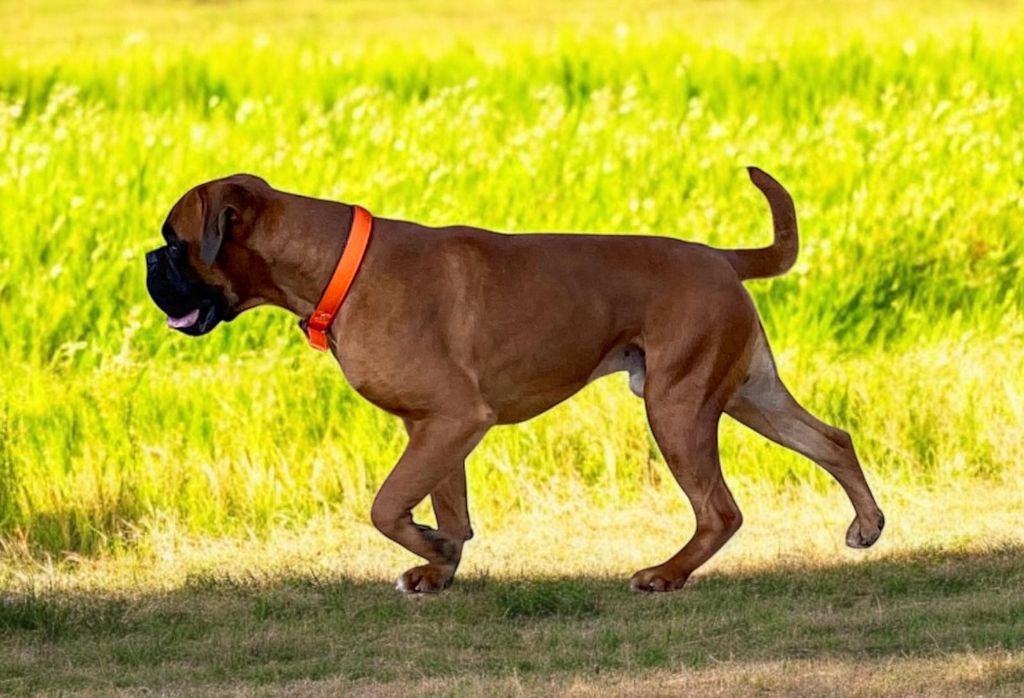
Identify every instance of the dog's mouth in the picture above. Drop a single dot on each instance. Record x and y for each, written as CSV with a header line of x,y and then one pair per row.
x,y
195,323
180,323
191,306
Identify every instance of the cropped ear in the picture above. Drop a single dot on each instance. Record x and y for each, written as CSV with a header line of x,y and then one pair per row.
x,y
230,207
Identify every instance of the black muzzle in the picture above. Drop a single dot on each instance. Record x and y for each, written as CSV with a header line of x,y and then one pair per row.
x,y
192,306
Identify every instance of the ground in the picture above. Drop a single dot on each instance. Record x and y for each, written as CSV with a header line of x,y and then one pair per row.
x,y
542,606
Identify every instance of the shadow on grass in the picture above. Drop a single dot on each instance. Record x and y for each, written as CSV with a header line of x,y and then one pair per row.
x,y
306,626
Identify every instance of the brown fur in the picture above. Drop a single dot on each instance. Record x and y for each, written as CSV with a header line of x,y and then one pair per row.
x,y
457,329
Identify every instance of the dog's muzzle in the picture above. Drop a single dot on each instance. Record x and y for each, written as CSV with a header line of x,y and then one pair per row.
x,y
192,307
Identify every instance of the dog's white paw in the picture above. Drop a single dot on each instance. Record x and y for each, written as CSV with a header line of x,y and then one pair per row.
x,y
425,579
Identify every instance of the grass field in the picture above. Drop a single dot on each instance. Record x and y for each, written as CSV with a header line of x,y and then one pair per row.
x,y
161,497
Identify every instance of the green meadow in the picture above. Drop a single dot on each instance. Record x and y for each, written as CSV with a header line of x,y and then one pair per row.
x,y
194,492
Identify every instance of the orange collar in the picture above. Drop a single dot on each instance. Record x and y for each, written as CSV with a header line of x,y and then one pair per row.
x,y
341,281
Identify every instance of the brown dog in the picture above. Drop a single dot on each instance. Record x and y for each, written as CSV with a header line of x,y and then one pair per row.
x,y
458,329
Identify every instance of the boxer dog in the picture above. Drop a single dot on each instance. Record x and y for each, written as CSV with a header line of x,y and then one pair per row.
x,y
457,329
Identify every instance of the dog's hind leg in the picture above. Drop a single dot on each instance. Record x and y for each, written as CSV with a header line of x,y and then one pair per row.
x,y
431,463
765,405
684,395
689,442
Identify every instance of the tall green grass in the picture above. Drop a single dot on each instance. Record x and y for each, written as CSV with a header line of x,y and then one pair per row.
x,y
902,321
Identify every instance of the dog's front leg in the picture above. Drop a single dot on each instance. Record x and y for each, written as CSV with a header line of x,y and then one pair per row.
x,y
451,509
433,463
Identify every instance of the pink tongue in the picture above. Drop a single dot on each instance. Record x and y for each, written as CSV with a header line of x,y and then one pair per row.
x,y
183,321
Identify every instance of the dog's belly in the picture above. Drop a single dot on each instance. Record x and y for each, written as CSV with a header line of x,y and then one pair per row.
x,y
511,397
522,395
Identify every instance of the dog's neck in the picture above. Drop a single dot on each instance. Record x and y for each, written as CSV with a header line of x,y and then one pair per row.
x,y
304,247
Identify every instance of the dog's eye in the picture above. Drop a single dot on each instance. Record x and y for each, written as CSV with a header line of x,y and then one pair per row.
x,y
177,250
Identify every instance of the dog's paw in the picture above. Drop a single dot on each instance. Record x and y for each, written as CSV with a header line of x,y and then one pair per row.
x,y
657,579
864,532
426,579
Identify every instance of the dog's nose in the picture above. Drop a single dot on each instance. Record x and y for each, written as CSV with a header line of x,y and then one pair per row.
x,y
153,259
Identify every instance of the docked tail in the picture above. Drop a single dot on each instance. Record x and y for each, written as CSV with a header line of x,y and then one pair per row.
x,y
781,255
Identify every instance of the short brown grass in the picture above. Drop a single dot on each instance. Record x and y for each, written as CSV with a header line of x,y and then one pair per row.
x,y
542,607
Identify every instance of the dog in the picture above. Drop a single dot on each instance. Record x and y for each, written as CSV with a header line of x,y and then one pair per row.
x,y
457,329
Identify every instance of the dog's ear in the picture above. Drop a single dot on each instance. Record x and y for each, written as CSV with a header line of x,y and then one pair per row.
x,y
230,207
215,229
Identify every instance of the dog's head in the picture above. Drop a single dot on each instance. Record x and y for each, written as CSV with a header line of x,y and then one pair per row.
x,y
208,271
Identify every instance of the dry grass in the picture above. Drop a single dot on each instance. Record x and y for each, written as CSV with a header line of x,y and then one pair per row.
x,y
542,607
960,675
988,674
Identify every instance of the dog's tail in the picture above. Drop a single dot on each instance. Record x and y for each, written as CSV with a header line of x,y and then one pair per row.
x,y
781,255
